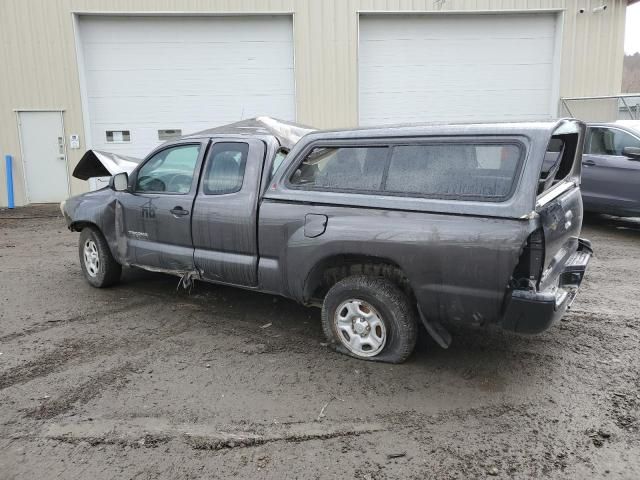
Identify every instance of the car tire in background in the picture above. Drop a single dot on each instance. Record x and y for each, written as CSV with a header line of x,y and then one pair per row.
x,y
98,265
370,318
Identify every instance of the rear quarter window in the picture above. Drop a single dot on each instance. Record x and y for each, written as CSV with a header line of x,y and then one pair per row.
x,y
466,171
224,172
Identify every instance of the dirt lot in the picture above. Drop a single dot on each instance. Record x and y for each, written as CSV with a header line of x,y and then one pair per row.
x,y
143,381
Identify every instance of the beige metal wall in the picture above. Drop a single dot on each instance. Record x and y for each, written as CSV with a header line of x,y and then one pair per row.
x,y
38,68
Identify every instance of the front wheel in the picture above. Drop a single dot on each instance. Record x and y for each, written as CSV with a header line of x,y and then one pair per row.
x,y
98,265
370,318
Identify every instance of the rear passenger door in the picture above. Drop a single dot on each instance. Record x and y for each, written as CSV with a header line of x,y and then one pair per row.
x,y
224,223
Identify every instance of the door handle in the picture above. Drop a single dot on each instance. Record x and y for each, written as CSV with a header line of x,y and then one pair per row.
x,y
179,211
589,163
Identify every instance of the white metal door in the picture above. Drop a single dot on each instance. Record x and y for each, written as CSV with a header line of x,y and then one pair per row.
x,y
44,156
431,68
149,76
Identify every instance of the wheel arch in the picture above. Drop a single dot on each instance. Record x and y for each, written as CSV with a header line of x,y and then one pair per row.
x,y
112,243
79,225
331,269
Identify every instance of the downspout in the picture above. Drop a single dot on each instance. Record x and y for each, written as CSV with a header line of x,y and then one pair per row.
x,y
9,167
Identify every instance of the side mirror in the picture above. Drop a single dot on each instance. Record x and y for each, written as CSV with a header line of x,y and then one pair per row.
x,y
120,182
631,152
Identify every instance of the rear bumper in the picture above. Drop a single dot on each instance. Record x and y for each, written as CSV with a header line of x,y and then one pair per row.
x,y
529,311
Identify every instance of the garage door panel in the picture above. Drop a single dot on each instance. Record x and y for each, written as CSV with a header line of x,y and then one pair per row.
x,y
494,51
153,29
504,26
526,105
151,55
523,101
528,98
143,74
185,109
448,67
413,78
141,136
137,83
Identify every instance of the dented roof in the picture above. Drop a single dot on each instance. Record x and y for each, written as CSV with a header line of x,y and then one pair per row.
x,y
287,133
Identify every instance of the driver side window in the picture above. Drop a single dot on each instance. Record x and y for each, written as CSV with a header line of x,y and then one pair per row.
x,y
169,171
609,141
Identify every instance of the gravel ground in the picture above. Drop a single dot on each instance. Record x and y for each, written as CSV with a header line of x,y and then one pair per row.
x,y
143,381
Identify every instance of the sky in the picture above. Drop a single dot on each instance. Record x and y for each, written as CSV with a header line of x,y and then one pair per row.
x,y
632,30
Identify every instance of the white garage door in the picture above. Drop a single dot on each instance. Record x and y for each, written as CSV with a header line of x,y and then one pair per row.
x,y
456,67
148,76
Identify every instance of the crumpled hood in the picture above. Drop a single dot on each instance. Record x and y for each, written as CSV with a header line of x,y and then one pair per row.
x,y
95,163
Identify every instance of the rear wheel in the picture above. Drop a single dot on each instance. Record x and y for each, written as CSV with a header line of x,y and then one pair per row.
x,y
370,318
98,265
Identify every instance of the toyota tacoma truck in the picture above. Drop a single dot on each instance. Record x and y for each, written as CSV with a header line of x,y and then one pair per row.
x,y
384,228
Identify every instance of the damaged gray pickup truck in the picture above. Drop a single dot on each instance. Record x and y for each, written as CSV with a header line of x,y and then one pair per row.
x,y
382,227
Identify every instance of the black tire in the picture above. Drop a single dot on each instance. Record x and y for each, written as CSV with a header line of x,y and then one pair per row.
x,y
397,313
108,270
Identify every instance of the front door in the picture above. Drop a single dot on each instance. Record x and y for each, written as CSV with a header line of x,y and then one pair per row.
x,y
610,180
157,210
225,212
44,156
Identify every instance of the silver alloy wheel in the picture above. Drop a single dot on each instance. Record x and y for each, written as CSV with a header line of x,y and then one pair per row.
x,y
360,328
91,258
